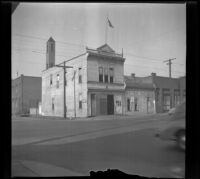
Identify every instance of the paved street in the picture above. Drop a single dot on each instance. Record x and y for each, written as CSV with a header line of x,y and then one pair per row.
x,y
62,147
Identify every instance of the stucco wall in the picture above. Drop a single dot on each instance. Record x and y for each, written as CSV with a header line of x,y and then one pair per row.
x,y
141,95
49,92
80,62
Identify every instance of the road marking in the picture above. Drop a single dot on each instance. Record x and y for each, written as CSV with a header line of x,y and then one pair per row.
x,y
47,170
92,135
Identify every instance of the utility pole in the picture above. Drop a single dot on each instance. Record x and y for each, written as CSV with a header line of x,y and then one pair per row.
x,y
169,63
74,94
64,84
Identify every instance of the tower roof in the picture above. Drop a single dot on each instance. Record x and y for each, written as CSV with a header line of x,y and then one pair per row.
x,y
51,39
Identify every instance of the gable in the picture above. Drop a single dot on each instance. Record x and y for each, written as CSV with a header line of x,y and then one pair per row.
x,y
106,48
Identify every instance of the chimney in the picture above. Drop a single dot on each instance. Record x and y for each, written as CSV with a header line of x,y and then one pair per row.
x,y
132,75
153,74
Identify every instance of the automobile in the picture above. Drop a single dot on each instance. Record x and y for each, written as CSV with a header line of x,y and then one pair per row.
x,y
174,130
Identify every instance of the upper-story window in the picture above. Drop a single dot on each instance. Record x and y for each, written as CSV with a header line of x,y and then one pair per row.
x,y
51,79
57,80
111,72
52,47
52,104
100,74
80,75
80,100
106,75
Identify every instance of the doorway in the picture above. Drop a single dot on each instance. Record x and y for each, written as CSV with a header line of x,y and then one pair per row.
x,y
110,104
93,105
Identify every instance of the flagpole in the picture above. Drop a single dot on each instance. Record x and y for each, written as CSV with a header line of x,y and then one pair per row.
x,y
106,31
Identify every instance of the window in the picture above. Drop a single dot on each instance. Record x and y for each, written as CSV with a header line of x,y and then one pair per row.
x,y
136,104
100,74
157,94
111,71
166,99
47,48
51,79
128,105
80,100
80,75
176,97
184,95
57,81
52,47
52,104
106,75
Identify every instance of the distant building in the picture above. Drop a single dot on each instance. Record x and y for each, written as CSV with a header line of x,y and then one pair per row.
x,y
96,85
26,94
168,92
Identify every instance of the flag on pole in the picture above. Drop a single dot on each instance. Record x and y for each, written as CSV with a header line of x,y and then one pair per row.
x,y
110,24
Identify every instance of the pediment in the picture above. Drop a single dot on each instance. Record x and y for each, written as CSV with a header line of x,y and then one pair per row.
x,y
106,48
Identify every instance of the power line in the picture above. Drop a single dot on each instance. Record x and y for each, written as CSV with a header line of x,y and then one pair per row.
x,y
35,51
39,38
128,65
78,45
143,57
138,66
169,63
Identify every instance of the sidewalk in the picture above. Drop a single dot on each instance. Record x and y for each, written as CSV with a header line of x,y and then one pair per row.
x,y
102,117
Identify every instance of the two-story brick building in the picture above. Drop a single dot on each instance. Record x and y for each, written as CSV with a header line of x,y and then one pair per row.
x,y
94,86
26,94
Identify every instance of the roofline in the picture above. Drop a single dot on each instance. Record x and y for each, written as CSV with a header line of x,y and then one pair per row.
x,y
138,87
118,54
26,76
66,61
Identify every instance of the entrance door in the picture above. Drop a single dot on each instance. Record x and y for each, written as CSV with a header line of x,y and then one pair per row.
x,y
110,106
93,105
118,104
103,106
150,105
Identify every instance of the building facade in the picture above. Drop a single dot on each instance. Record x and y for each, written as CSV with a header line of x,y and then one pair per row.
x,y
94,84
139,95
26,94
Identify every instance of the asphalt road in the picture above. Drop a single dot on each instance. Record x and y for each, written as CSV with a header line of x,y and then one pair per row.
x,y
78,147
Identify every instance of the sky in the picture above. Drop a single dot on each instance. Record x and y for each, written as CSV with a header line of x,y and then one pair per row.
x,y
148,33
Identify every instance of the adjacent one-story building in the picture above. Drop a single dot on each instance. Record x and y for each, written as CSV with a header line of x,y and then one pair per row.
x,y
94,84
26,94
168,92
139,95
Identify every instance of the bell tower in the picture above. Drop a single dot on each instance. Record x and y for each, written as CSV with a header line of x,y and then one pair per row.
x,y
50,53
